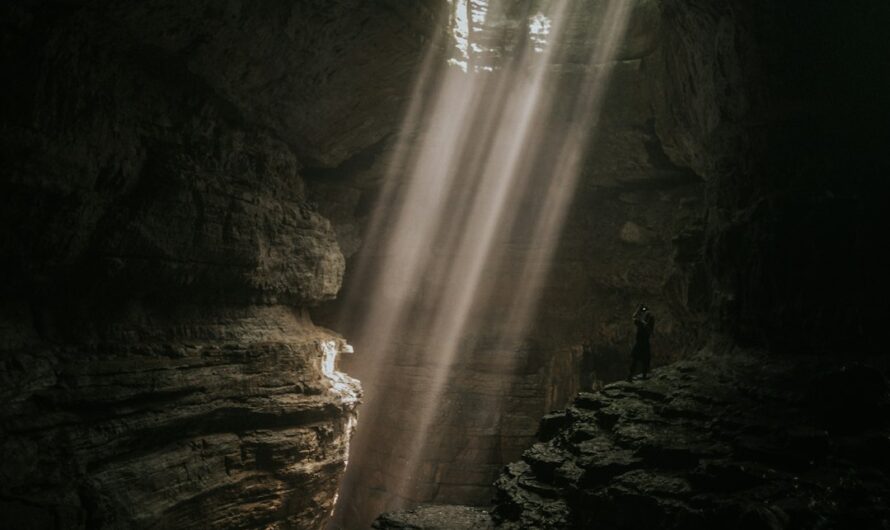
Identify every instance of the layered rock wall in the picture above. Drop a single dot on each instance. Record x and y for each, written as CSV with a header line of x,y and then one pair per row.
x,y
158,364
186,417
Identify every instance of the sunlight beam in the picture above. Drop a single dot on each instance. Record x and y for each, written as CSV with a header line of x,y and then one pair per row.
x,y
477,142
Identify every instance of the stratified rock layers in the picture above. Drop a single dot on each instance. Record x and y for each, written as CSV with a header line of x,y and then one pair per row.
x,y
192,418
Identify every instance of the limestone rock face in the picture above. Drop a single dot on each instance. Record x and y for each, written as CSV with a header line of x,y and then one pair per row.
x,y
328,78
730,440
158,367
200,417
135,139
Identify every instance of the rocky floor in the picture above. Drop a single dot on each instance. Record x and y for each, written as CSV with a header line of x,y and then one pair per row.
x,y
734,440
436,517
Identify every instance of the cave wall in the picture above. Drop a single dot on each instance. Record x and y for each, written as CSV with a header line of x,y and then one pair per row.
x,y
732,187
779,108
161,252
159,367
634,234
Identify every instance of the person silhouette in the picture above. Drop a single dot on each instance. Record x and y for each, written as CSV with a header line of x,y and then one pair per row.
x,y
641,353
588,369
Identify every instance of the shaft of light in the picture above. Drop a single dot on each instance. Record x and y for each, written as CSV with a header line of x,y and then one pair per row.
x,y
563,183
468,172
491,211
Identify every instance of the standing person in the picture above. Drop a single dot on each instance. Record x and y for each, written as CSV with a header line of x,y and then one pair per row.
x,y
588,372
644,321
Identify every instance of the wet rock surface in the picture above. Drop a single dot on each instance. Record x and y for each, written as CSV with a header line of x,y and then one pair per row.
x,y
718,440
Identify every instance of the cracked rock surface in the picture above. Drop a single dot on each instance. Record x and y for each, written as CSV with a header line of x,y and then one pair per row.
x,y
213,418
715,441
733,440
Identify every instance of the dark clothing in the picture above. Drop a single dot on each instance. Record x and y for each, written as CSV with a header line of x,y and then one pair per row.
x,y
644,364
641,345
642,352
588,365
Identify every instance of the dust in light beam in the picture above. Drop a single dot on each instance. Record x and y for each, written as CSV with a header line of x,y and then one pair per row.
x,y
479,139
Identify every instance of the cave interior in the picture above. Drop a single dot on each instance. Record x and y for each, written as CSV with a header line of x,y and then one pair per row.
x,y
339,264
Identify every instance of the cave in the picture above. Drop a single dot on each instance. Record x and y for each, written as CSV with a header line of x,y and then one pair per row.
x,y
347,264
